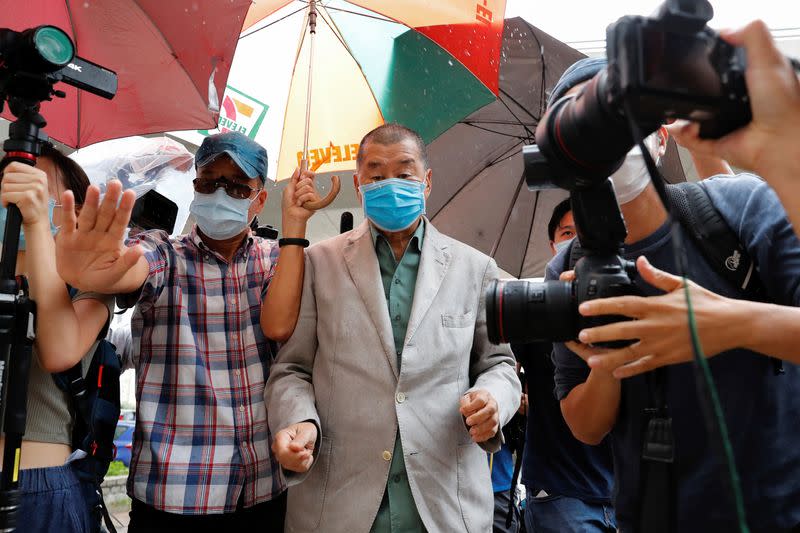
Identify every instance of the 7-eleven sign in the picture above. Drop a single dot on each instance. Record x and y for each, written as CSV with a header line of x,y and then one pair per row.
x,y
239,113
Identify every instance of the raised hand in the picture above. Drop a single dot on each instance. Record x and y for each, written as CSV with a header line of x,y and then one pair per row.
x,y
90,249
299,190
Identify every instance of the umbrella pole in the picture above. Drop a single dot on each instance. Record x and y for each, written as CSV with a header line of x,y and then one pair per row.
x,y
312,29
335,186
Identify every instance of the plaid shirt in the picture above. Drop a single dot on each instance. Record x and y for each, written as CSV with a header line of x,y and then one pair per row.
x,y
201,428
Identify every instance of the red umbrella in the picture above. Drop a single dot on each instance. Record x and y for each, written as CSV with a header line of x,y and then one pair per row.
x,y
172,59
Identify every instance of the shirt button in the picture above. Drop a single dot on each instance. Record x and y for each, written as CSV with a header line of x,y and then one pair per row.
x,y
232,300
400,397
397,317
397,282
237,372
399,352
241,408
396,478
387,455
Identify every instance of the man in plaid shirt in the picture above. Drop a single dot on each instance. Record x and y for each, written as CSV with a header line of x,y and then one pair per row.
x,y
206,305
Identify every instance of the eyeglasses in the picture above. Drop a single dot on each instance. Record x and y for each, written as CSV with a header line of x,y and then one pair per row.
x,y
240,191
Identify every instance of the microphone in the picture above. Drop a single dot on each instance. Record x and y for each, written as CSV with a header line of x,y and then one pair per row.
x,y
346,222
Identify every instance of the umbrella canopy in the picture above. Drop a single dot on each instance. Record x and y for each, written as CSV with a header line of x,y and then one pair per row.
x,y
171,57
479,195
419,63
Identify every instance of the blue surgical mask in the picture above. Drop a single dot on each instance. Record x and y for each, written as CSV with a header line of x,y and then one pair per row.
x,y
561,245
393,204
51,204
218,215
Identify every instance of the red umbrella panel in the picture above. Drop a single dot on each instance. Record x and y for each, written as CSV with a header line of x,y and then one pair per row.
x,y
172,60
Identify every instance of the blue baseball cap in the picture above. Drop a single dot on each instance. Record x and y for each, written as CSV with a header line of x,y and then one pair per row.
x,y
248,155
580,71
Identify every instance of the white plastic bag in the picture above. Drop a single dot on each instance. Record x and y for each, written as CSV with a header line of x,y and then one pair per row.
x,y
142,164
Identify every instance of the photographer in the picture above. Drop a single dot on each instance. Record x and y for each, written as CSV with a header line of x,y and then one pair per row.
x,y
762,429
568,484
67,328
768,145
723,324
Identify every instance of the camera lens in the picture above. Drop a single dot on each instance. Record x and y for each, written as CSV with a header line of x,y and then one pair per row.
x,y
528,311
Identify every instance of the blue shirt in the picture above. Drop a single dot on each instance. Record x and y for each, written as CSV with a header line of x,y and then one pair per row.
x,y
502,468
554,461
762,409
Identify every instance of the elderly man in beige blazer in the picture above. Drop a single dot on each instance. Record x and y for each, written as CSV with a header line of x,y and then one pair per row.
x,y
388,393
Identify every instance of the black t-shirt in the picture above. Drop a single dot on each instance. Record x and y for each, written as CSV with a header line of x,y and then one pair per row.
x,y
554,460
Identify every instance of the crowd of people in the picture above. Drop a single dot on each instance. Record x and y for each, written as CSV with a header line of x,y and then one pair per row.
x,y
351,385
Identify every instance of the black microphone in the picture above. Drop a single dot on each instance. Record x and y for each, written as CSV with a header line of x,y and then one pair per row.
x,y
346,222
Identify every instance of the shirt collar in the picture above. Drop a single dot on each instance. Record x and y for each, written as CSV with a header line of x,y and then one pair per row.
x,y
416,238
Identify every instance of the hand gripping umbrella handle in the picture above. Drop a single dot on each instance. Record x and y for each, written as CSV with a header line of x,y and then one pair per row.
x,y
336,186
324,202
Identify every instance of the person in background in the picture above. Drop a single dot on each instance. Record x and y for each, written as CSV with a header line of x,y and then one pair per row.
x,y
67,329
568,484
206,306
760,402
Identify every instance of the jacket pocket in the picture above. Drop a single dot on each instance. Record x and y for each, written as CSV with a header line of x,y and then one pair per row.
x,y
458,321
307,499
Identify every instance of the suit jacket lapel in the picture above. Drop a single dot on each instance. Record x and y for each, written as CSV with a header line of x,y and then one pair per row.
x,y
432,268
359,255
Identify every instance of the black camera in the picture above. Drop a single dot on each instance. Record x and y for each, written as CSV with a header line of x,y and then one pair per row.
x,y
665,67
668,66
532,311
46,53
528,311
153,210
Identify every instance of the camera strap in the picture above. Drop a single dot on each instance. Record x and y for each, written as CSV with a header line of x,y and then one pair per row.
x,y
657,510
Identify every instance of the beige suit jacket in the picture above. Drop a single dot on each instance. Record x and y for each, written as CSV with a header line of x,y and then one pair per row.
x,y
340,370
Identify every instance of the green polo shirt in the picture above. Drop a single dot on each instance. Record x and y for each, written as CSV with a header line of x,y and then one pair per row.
x,y
398,512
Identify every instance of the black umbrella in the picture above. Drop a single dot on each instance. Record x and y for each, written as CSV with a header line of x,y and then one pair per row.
x,y
479,195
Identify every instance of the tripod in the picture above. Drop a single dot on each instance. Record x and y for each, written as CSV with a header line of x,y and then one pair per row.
x,y
17,315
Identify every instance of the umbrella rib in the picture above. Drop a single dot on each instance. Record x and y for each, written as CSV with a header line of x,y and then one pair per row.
x,y
509,135
530,230
384,19
542,100
505,157
508,216
497,122
79,94
534,117
273,22
464,185
336,31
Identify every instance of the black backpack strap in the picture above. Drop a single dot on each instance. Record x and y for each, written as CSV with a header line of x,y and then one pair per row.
x,y
717,241
657,510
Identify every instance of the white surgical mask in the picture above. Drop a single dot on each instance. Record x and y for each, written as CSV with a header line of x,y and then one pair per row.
x,y
632,178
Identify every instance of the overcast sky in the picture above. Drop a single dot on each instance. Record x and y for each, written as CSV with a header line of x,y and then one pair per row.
x,y
579,20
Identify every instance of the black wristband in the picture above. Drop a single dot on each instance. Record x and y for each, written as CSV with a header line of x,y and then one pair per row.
x,y
290,241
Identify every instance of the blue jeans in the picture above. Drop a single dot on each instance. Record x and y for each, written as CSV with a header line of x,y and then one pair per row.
x,y
52,501
561,514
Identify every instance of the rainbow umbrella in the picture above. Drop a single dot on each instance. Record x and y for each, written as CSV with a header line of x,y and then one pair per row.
x,y
310,78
